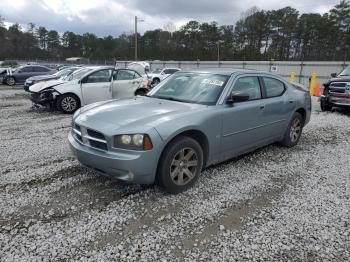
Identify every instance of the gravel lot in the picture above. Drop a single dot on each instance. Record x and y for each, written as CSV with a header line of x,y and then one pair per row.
x,y
275,204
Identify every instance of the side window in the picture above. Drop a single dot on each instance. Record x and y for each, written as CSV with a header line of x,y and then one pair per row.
x,y
173,71
167,71
27,69
125,75
273,87
100,76
40,69
249,85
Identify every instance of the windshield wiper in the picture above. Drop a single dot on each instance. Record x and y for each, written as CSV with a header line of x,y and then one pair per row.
x,y
171,99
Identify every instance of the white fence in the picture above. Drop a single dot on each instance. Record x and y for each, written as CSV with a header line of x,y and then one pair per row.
x,y
302,70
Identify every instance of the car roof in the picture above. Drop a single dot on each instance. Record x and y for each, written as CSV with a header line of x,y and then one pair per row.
x,y
224,71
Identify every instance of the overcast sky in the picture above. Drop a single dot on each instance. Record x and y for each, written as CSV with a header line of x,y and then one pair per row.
x,y
113,17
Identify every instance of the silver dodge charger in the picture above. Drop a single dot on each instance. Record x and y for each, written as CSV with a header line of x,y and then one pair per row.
x,y
190,121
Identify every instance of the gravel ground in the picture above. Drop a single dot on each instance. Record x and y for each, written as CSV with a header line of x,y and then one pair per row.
x,y
275,204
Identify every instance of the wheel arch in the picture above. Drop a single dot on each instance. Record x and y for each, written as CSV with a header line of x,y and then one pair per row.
x,y
302,112
195,134
68,93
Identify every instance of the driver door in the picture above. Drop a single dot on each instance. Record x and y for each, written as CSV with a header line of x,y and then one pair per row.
x,y
97,86
243,122
125,83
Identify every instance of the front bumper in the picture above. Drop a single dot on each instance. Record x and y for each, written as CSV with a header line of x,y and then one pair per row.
x,y
133,167
341,100
27,85
43,98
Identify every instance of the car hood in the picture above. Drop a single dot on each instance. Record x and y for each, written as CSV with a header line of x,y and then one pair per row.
x,y
340,79
43,85
42,78
337,79
135,112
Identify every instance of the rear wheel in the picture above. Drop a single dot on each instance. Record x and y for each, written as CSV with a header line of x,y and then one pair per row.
x,y
294,130
11,81
68,103
180,165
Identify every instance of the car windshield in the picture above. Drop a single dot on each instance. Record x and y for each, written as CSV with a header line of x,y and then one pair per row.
x,y
62,72
157,71
196,88
77,74
345,72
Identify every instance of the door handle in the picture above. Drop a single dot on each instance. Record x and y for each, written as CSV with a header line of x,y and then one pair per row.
x,y
262,107
136,82
291,101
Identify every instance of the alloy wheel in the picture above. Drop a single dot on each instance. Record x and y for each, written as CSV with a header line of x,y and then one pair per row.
x,y
11,81
295,130
69,104
184,166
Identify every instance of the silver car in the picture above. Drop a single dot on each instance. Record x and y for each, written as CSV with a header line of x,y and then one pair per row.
x,y
190,121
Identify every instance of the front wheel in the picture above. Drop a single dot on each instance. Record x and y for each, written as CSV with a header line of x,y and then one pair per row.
x,y
11,81
68,103
180,165
294,130
325,106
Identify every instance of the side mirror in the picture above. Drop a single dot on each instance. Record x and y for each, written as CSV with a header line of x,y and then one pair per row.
x,y
162,73
237,97
334,75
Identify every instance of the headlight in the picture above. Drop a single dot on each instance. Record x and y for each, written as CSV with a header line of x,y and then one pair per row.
x,y
133,142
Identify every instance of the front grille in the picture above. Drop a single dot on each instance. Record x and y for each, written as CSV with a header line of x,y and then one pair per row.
x,y
97,144
338,84
95,134
90,137
77,127
337,90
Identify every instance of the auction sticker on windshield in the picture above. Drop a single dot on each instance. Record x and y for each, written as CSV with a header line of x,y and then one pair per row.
x,y
213,82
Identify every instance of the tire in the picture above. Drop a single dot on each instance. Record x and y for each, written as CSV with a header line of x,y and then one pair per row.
x,y
156,81
325,106
68,103
180,165
294,131
11,81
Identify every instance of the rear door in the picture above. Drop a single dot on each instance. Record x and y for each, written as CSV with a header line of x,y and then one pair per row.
x,y
40,70
25,73
242,122
97,86
125,83
278,106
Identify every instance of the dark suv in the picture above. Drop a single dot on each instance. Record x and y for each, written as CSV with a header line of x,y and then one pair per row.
x,y
336,91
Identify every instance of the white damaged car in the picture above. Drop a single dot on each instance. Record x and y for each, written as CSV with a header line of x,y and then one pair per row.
x,y
88,85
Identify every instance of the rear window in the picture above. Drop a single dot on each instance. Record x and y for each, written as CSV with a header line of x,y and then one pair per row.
x,y
273,87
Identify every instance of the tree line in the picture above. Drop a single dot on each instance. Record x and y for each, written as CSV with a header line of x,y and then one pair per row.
x,y
282,34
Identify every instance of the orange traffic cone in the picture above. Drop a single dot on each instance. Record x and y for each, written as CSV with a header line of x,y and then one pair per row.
x,y
317,90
